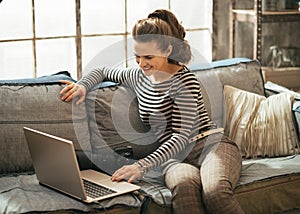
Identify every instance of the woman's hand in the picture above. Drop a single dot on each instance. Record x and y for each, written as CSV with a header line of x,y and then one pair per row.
x,y
128,171
71,91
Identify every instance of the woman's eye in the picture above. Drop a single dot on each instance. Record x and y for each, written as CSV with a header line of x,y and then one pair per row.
x,y
149,57
144,57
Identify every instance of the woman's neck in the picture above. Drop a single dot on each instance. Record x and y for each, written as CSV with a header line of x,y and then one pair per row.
x,y
169,72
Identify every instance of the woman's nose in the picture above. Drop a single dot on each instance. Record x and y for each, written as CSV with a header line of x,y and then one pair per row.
x,y
141,62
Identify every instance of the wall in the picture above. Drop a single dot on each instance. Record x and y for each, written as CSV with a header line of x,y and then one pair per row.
x,y
285,35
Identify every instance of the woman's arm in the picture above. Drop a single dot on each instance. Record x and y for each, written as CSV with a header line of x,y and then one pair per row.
x,y
79,89
119,75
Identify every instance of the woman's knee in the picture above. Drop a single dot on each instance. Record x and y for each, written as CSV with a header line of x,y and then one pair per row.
x,y
182,175
184,182
220,189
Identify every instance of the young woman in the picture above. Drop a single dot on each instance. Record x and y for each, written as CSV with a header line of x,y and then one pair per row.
x,y
170,101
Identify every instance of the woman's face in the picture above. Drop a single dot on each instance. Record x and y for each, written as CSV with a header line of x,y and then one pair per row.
x,y
150,58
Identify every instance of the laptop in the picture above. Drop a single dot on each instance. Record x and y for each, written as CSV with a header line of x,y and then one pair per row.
x,y
56,166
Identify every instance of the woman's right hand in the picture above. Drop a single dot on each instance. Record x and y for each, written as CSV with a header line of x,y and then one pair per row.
x,y
71,91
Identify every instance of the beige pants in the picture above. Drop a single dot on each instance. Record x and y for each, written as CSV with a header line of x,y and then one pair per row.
x,y
206,187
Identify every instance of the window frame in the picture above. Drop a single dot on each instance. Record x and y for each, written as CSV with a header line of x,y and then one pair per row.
x,y
79,36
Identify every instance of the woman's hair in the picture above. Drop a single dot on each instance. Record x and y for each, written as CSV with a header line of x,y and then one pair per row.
x,y
162,27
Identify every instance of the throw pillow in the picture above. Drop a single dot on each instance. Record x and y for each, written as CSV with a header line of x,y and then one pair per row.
x,y
262,127
115,125
296,110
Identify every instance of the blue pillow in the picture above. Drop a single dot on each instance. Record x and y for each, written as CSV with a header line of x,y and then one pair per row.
x,y
218,63
104,84
51,80
48,80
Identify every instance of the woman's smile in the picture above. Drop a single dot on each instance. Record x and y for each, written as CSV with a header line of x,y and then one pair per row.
x,y
147,70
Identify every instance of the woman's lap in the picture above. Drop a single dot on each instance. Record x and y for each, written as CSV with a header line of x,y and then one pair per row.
x,y
220,166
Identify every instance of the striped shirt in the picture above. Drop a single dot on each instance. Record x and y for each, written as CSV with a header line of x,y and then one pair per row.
x,y
174,109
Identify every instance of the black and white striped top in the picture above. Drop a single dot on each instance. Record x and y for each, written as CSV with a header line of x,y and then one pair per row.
x,y
174,109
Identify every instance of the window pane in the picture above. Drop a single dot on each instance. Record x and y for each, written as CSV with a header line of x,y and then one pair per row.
x,y
16,19
55,18
138,9
194,13
102,51
200,42
16,60
56,55
130,53
99,16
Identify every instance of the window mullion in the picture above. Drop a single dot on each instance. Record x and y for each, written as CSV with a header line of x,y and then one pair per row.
x,y
34,40
78,40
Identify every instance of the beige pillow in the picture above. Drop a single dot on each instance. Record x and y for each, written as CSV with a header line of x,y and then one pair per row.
x,y
262,127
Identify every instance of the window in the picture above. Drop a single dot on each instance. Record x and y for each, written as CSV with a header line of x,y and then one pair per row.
x,y
42,37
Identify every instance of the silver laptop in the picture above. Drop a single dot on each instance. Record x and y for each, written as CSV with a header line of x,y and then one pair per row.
x,y
56,166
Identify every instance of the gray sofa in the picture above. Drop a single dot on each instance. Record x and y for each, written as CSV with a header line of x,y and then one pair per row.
x,y
107,133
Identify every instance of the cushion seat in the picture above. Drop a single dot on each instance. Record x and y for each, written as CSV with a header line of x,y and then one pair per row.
x,y
259,176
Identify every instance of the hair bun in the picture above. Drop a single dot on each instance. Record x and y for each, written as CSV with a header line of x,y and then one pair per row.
x,y
159,14
171,20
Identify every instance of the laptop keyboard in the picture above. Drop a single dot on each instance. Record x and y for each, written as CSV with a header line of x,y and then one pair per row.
x,y
95,190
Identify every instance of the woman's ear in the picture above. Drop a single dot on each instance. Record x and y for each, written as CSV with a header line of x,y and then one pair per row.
x,y
169,51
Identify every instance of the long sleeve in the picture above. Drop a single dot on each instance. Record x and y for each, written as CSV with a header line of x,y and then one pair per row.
x,y
119,75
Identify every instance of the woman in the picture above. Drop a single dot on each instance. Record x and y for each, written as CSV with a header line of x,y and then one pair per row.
x,y
171,103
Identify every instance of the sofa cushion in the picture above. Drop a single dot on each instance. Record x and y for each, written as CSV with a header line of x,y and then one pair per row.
x,y
260,126
269,185
242,73
24,194
37,104
115,125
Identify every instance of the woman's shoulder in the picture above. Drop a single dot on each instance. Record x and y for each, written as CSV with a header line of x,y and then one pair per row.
x,y
188,75
128,72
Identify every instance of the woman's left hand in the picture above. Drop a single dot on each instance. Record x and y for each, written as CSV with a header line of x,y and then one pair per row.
x,y
131,172
72,90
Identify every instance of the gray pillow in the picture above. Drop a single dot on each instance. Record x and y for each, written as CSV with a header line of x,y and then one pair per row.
x,y
39,107
240,73
115,125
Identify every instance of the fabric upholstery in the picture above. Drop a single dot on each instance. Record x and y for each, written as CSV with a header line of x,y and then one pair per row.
x,y
16,190
213,78
269,185
261,180
114,123
22,193
271,195
260,126
37,105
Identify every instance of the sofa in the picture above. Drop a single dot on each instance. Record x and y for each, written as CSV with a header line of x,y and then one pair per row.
x,y
107,133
